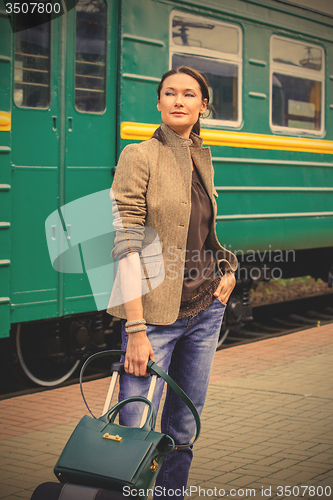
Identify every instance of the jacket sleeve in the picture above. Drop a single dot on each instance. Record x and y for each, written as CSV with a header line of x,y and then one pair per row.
x,y
128,194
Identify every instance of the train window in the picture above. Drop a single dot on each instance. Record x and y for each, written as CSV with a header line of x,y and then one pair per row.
x,y
90,58
297,86
32,65
214,48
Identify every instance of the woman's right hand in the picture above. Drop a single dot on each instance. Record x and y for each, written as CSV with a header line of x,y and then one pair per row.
x,y
138,352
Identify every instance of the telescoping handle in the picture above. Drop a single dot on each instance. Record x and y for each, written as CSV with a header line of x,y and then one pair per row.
x,y
116,369
150,395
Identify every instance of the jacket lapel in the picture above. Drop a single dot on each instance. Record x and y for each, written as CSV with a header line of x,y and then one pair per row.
x,y
202,160
183,150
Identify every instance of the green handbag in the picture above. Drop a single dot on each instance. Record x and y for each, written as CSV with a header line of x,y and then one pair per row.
x,y
103,454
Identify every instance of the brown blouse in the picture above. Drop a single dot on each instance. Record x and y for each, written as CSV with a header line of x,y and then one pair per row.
x,y
200,281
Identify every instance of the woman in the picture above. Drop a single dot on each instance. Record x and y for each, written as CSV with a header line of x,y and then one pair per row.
x,y
166,184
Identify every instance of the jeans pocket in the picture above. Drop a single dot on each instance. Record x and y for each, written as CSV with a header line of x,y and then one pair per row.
x,y
221,303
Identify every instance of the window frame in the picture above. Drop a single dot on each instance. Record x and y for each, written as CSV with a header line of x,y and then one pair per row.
x,y
297,72
14,69
83,111
222,57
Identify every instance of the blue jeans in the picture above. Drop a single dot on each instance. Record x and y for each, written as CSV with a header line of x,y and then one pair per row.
x,y
186,351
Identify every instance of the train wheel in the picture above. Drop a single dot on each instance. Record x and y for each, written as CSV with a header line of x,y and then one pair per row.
x,y
38,363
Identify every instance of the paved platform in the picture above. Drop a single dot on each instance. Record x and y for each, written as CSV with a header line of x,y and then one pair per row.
x,y
267,427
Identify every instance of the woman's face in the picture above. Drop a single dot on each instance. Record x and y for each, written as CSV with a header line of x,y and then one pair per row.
x,y
180,103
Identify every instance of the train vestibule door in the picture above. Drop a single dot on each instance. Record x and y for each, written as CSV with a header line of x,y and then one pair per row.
x,y
90,129
63,149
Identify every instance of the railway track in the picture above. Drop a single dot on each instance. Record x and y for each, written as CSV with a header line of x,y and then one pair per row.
x,y
282,318
269,320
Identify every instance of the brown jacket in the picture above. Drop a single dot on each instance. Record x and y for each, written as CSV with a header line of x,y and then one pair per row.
x,y
152,188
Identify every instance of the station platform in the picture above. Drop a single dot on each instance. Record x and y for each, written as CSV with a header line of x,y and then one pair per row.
x,y
267,427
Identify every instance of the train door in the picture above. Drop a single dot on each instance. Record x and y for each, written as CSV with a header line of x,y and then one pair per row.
x,y
35,168
63,148
90,123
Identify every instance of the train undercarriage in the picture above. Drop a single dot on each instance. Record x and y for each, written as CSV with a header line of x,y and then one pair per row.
x,y
47,353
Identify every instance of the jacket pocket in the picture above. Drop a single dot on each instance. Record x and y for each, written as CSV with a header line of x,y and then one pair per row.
x,y
151,266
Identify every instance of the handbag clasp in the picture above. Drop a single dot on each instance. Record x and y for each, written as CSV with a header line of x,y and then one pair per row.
x,y
154,466
113,438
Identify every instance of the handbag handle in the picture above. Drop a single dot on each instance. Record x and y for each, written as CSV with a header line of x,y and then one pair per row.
x,y
117,407
175,387
151,365
147,426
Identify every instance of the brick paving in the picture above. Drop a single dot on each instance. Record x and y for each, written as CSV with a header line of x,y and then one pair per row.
x,y
267,424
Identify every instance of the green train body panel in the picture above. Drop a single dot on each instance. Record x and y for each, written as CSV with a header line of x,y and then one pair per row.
x,y
57,155
241,166
5,172
269,199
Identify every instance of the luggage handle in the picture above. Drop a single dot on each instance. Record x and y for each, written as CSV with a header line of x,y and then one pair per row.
x,y
118,369
151,365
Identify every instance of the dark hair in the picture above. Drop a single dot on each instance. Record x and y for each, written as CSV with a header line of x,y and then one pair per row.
x,y
204,87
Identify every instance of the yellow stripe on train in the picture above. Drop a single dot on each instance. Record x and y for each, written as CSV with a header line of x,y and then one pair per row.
x,y
143,131
5,121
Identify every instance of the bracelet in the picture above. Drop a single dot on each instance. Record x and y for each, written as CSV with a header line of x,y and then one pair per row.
x,y
135,322
136,329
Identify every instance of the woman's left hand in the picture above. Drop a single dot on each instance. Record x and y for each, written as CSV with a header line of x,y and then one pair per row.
x,y
226,286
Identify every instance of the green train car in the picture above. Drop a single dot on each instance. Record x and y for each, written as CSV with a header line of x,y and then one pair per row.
x,y
77,87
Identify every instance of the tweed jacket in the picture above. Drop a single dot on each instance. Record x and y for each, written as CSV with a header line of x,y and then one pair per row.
x,y
152,189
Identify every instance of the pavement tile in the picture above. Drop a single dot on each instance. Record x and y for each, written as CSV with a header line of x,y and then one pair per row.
x,y
326,482
6,490
18,468
40,476
287,453
286,463
15,497
316,470
226,478
267,421
260,470
267,461
26,452
229,467
283,474
24,494
28,465
323,458
248,456
26,483
303,477
209,465
5,474
202,475
217,454
245,480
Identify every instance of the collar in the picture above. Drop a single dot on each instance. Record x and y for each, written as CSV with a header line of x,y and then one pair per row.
x,y
175,140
